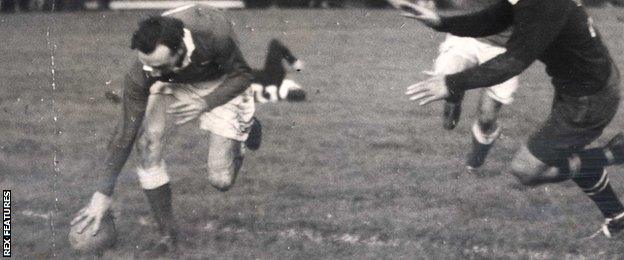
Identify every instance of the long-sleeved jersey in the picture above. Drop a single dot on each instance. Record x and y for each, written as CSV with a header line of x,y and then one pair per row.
x,y
557,32
213,54
497,39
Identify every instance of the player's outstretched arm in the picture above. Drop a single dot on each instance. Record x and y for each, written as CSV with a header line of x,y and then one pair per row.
x,y
134,103
430,90
478,23
536,24
488,21
117,152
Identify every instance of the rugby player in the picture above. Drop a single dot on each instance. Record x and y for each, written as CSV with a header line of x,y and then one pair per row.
x,y
458,54
560,34
189,67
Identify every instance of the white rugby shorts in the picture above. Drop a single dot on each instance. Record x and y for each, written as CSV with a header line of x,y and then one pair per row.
x,y
460,53
231,120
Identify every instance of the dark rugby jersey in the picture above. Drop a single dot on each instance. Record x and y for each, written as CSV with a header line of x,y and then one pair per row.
x,y
557,32
497,39
216,55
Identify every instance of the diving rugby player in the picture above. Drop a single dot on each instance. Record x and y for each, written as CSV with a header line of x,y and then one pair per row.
x,y
189,68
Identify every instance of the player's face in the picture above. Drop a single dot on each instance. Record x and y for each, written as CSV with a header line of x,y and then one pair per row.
x,y
161,61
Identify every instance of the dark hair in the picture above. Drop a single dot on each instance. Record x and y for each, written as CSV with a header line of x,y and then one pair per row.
x,y
158,30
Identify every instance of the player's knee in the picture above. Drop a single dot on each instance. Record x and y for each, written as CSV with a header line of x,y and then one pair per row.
x,y
527,168
222,172
488,114
148,141
224,161
525,175
222,177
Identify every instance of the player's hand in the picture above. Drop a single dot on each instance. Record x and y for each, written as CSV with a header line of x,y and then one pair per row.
x,y
91,215
187,110
423,11
429,90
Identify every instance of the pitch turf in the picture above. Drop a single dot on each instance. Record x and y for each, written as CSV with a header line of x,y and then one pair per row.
x,y
357,171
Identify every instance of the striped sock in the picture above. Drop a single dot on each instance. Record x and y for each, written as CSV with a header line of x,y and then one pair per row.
x,y
595,184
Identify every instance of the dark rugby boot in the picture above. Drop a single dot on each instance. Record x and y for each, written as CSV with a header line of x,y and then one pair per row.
x,y
611,227
254,140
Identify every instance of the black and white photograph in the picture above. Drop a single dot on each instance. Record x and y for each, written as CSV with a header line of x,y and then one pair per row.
x,y
312,129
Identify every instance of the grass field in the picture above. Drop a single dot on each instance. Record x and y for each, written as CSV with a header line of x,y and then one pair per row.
x,y
355,172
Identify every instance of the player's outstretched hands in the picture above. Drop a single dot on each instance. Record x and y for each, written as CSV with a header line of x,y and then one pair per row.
x,y
91,215
423,10
427,91
186,110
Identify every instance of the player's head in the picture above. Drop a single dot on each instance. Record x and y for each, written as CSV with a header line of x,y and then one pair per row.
x,y
158,42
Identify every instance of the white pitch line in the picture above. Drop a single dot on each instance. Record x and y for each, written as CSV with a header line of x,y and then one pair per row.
x,y
32,214
125,5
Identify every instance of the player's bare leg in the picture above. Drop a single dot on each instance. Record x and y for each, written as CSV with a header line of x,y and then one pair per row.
x,y
153,174
150,138
484,132
224,161
254,140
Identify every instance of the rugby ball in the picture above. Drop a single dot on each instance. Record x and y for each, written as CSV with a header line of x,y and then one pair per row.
x,y
87,242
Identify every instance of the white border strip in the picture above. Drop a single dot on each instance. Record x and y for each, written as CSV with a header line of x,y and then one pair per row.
x,y
125,5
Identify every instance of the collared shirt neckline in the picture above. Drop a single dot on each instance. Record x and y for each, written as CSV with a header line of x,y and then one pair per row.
x,y
187,40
